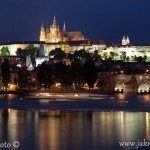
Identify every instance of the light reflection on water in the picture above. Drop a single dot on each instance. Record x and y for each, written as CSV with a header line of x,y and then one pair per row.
x,y
72,130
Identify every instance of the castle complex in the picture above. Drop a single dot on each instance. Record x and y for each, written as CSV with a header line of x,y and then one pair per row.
x,y
52,37
53,34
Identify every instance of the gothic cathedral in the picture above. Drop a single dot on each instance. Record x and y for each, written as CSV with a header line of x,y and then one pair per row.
x,y
54,35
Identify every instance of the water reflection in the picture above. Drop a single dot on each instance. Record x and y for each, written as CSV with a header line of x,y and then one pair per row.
x,y
65,130
146,98
147,126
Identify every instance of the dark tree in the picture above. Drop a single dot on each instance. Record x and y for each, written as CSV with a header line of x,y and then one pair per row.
x,y
5,73
101,84
69,56
144,58
77,73
140,59
90,73
66,78
62,74
123,56
21,52
81,54
58,53
32,51
23,77
45,75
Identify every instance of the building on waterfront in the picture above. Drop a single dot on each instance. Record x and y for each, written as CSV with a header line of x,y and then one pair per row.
x,y
53,34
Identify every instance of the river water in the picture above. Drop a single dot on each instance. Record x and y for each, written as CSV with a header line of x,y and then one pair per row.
x,y
82,129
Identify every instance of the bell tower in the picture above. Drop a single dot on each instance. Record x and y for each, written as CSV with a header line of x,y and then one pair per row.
x,y
54,33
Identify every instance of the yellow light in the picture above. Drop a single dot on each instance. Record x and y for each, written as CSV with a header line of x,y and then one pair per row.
x,y
121,71
76,95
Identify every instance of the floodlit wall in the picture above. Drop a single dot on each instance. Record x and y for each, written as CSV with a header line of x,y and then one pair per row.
x,y
118,51
128,50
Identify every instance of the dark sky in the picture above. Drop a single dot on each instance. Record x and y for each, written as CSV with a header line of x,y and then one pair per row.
x,y
106,20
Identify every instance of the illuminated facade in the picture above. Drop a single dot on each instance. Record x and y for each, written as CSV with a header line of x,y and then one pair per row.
x,y
53,34
129,51
125,40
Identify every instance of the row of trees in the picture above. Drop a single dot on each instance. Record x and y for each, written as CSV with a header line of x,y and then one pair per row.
x,y
75,74
58,53
30,50
68,75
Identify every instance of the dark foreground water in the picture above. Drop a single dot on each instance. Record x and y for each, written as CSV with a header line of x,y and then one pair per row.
x,y
73,130
46,124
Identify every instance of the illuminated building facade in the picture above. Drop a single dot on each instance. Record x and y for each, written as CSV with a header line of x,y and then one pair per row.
x,y
53,34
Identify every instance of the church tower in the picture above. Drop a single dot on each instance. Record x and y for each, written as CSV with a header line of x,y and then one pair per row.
x,y
124,40
55,34
42,33
64,34
127,40
54,22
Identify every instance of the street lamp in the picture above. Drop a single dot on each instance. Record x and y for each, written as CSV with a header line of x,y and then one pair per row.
x,y
147,70
121,71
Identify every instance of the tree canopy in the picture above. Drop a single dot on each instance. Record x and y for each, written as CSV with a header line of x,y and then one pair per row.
x,y
5,51
5,73
57,53
23,77
90,73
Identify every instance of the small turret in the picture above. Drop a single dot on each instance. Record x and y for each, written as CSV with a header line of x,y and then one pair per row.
x,y
127,40
64,28
54,21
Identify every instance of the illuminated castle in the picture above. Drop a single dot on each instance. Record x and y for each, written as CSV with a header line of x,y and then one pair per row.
x,y
54,35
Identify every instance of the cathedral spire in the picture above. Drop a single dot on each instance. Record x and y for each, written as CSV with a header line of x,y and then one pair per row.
x,y
42,33
124,40
127,40
64,28
42,25
54,21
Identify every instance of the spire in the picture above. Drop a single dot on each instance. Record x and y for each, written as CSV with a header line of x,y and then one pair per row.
x,y
124,37
64,28
47,24
124,40
54,21
42,26
127,40
42,33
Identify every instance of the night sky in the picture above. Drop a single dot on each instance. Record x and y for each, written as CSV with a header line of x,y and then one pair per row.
x,y
106,20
